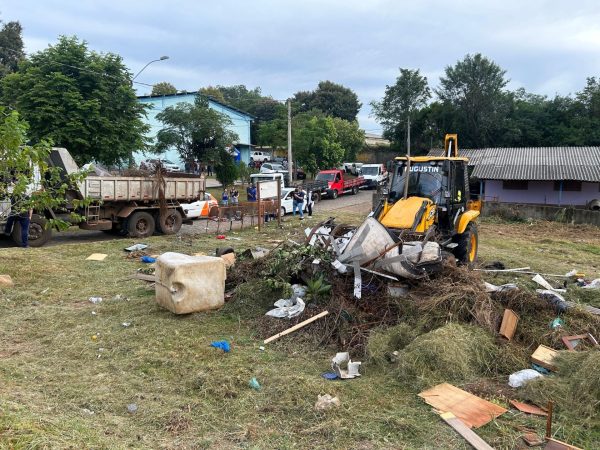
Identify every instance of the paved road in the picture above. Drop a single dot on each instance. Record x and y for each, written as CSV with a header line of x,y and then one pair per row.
x,y
360,204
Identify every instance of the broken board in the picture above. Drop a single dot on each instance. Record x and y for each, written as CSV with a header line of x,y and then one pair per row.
x,y
553,444
509,324
469,408
543,356
572,341
529,409
470,436
96,257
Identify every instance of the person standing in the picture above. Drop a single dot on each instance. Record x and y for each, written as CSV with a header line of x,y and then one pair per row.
x,y
209,170
298,202
251,193
309,202
225,197
24,219
234,196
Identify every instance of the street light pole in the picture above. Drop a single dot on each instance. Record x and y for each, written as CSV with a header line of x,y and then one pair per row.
x,y
289,149
162,58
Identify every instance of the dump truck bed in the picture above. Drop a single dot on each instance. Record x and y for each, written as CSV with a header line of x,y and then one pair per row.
x,y
140,188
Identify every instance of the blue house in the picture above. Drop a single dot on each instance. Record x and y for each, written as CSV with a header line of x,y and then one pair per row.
x,y
240,123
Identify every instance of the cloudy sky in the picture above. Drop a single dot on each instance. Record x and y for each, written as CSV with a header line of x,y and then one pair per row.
x,y
283,46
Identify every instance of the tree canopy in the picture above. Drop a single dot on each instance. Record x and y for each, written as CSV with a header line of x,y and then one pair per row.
x,y
80,99
11,47
164,88
195,131
331,98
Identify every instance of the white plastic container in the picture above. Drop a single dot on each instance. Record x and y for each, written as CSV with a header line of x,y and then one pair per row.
x,y
187,284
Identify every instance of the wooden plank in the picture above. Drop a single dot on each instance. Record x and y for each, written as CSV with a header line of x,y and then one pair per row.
x,y
532,439
529,409
553,444
296,327
472,410
543,356
509,324
96,257
572,341
465,431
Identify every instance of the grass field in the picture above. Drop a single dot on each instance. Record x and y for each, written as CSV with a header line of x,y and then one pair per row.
x,y
69,368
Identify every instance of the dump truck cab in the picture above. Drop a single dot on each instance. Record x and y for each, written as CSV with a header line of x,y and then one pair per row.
x,y
436,204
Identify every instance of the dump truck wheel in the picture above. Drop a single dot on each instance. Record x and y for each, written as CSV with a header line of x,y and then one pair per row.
x,y
171,224
468,244
38,233
141,225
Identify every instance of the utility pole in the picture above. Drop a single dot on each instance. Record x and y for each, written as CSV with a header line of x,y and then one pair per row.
x,y
289,157
407,174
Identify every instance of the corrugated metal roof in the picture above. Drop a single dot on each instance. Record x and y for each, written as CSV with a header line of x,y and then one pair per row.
x,y
533,163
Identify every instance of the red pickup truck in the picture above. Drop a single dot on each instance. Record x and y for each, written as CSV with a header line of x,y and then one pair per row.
x,y
337,184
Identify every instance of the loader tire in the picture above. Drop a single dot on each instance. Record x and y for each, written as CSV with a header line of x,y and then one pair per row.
x,y
141,225
468,245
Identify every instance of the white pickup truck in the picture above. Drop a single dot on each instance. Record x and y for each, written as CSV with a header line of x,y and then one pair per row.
x,y
374,174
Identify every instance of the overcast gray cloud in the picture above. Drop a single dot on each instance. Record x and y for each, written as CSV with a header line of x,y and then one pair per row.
x,y
547,47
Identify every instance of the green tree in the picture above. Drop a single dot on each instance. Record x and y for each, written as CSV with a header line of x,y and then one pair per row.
x,y
214,92
195,131
25,176
81,100
474,89
402,100
331,98
350,137
226,171
11,47
315,142
164,88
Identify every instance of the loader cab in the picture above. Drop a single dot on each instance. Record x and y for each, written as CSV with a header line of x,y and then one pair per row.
x,y
443,180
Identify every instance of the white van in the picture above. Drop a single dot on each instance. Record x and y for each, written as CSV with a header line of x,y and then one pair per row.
x,y
374,175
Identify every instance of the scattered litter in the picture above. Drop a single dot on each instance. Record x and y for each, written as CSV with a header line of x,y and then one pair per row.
x,y
469,435
554,298
542,282
344,367
287,308
221,236
398,290
489,287
543,356
540,369
233,238
94,337
472,410
341,268
45,290
325,402
595,284
89,412
573,341
136,247
223,345
95,300
330,375
126,324
588,308
96,257
532,439
261,348
259,252
557,323
6,281
509,324
521,377
316,261
529,409
296,327
132,408
119,297
254,384
148,259
93,313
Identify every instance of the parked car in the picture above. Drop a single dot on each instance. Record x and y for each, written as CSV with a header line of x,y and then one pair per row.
x,y
338,184
199,208
271,167
287,201
374,175
259,156
150,164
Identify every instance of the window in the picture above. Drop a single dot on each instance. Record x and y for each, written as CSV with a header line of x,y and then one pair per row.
x,y
515,185
568,186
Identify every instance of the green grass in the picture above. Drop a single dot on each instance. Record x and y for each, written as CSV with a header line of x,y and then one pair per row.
x,y
190,395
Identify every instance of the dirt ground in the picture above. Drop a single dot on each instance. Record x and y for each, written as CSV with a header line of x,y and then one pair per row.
x,y
69,368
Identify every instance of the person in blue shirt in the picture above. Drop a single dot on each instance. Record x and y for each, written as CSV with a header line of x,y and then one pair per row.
x,y
251,192
225,197
298,202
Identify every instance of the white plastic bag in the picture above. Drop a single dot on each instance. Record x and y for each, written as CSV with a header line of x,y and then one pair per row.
x,y
521,377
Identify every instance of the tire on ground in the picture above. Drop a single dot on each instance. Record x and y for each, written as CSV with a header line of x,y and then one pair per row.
x,y
468,245
38,233
171,223
141,224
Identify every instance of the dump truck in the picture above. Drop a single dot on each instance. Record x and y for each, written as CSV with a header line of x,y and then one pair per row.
x,y
126,206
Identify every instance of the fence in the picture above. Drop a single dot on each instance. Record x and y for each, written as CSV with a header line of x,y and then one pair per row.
x,y
223,219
